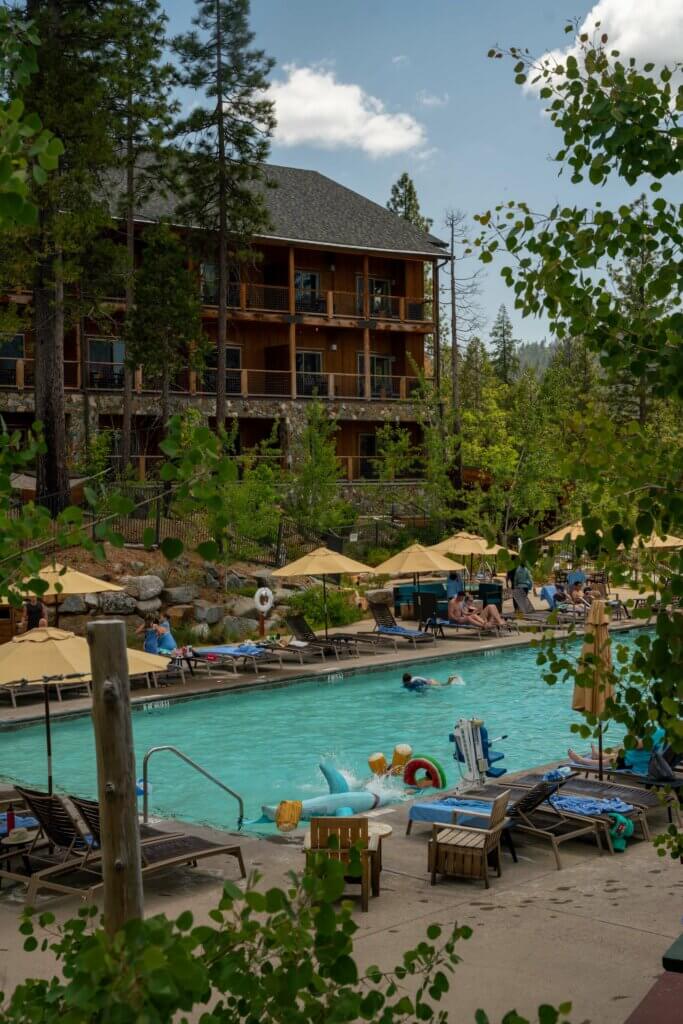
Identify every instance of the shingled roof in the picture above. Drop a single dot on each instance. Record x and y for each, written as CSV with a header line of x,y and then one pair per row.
x,y
305,206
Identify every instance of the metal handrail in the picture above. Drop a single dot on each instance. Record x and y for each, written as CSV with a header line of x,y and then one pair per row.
x,y
197,767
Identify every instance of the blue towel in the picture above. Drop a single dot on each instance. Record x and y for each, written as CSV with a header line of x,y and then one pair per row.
x,y
20,821
399,631
557,774
588,806
442,811
235,650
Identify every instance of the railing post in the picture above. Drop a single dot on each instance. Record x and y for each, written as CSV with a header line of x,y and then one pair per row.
x,y
330,385
243,295
19,374
193,382
120,837
244,383
138,379
366,364
292,359
330,305
401,308
141,467
157,520
402,389
349,467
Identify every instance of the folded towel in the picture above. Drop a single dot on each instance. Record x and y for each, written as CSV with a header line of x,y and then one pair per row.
x,y
556,774
588,806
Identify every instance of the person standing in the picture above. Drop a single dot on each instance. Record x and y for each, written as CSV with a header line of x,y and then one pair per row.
x,y
523,578
35,614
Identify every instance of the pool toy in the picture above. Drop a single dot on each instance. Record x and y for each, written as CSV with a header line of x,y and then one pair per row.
x,y
334,778
377,762
434,776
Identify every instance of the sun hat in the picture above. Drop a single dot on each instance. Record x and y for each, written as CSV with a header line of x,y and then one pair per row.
x,y
17,837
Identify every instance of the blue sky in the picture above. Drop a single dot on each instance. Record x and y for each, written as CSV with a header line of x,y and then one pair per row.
x,y
368,90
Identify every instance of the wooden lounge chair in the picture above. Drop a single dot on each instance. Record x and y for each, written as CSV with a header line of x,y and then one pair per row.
x,y
386,625
335,837
465,851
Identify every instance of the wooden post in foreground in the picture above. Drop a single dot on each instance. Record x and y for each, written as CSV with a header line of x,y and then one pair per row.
x,y
121,864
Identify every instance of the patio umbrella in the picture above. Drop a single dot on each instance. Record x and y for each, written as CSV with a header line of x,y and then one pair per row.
x,y
61,582
596,659
416,559
464,544
655,543
569,532
322,562
46,655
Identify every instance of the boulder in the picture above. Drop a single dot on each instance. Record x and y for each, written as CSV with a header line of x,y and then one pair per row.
x,y
92,601
212,582
200,630
381,597
233,580
179,595
281,595
206,611
235,627
137,566
74,604
142,588
211,570
180,613
149,607
117,602
243,607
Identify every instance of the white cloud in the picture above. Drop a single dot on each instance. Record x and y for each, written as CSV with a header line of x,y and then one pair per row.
x,y
313,108
646,31
400,58
430,99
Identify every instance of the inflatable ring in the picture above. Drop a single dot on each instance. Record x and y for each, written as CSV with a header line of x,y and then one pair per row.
x,y
434,771
263,599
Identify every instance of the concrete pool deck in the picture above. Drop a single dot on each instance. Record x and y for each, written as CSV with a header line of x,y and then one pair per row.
x,y
593,933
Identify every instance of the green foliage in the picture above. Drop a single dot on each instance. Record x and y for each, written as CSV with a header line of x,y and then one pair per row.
x,y
313,495
405,203
163,332
396,455
100,452
27,150
504,360
616,120
341,606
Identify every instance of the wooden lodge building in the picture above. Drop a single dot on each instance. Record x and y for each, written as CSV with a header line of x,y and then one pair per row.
x,y
335,306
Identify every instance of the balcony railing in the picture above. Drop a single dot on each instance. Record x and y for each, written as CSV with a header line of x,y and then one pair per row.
x,y
269,298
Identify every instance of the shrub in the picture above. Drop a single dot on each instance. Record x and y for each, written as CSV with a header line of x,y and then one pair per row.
x,y
341,607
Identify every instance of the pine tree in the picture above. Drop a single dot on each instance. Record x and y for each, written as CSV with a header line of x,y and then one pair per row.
x,y
164,326
69,91
228,142
139,82
504,358
475,374
405,203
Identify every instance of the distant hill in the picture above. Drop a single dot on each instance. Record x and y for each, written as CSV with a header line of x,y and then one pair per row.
x,y
535,355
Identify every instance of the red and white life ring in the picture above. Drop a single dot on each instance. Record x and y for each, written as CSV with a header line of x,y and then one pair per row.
x,y
263,599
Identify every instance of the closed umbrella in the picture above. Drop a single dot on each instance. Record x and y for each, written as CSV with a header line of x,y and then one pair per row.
x,y
596,661
322,562
46,655
62,581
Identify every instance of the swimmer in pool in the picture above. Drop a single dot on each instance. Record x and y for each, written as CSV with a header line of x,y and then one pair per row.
x,y
417,682
455,680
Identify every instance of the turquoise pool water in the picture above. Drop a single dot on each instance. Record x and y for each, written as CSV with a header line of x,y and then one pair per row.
x,y
266,744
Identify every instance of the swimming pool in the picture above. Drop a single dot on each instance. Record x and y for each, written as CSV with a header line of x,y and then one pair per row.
x,y
267,743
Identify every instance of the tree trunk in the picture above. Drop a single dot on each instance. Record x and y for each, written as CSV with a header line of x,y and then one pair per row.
x,y
222,231
128,371
52,477
455,371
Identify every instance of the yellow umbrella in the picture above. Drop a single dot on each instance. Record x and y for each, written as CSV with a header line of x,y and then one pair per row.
x,y
596,660
463,544
47,655
322,562
62,582
569,532
658,543
417,559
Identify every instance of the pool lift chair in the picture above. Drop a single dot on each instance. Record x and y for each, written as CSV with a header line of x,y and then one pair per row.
x,y
473,754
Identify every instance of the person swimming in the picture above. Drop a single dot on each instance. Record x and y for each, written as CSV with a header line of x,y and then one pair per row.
x,y
411,682
455,679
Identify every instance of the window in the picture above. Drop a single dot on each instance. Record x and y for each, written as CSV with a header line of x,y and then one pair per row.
x,y
310,379
381,380
379,290
307,288
11,349
105,363
209,284
233,366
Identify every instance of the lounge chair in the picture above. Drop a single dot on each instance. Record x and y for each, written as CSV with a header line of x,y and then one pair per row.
x,y
631,778
464,851
553,620
347,833
431,620
386,625
247,653
370,641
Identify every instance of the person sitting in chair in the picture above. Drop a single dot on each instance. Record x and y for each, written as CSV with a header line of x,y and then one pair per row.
x,y
460,611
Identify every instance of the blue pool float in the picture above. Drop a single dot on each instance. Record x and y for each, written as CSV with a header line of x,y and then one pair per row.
x,y
340,801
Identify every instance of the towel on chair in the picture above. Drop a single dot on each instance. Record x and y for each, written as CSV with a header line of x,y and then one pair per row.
x,y
589,806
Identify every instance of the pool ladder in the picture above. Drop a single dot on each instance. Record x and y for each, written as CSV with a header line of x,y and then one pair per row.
x,y
197,767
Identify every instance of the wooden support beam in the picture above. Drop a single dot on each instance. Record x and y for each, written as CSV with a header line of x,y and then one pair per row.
x,y
366,287
292,359
330,305
138,379
366,364
330,385
401,308
291,281
402,390
244,382
193,382
19,374
243,295
121,861
142,467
